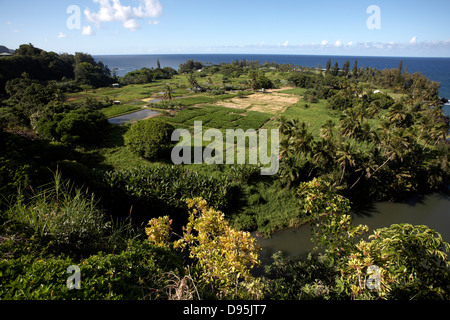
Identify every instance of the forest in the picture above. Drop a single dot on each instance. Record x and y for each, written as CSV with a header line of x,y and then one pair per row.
x,y
76,190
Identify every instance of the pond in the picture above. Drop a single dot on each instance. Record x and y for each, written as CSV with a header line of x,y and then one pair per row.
x,y
431,210
134,116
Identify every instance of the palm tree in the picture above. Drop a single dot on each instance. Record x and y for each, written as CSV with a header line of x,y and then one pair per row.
x,y
397,114
326,131
374,109
283,125
323,152
349,124
346,157
366,133
168,92
302,138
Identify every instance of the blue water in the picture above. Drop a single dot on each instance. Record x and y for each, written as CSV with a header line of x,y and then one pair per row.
x,y
436,69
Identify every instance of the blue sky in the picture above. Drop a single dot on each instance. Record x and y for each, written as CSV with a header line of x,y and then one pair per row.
x,y
407,27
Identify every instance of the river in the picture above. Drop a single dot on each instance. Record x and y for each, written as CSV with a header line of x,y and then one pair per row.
x,y
431,210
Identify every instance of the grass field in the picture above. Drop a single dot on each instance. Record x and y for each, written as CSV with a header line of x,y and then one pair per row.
x,y
265,206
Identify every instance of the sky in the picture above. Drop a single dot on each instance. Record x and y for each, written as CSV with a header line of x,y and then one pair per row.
x,y
347,27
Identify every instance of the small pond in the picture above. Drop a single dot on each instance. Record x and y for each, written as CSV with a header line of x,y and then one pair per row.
x,y
134,116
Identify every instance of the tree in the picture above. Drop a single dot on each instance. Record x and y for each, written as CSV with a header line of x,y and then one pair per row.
x,y
345,157
355,70
331,223
328,67
76,125
190,66
168,92
149,139
258,80
326,131
335,70
192,80
411,261
346,68
222,256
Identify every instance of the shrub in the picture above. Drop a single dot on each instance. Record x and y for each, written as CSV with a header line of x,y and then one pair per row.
x,y
223,256
62,215
150,139
141,271
71,124
171,185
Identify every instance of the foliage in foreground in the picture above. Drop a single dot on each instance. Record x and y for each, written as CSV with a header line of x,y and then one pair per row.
x,y
60,215
222,257
141,271
398,262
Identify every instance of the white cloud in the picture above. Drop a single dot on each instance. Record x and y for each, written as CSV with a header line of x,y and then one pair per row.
x,y
286,43
131,25
338,43
87,31
413,40
324,43
350,43
113,10
61,35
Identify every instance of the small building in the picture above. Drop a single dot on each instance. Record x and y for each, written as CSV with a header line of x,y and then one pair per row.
x,y
116,102
377,91
116,85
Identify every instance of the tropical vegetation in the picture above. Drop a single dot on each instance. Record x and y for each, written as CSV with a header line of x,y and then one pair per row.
x,y
76,190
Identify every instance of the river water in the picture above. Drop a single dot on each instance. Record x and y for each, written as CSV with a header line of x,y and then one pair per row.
x,y
431,210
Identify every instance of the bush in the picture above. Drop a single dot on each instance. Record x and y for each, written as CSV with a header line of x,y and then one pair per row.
x,y
150,139
141,271
223,256
61,216
300,279
80,125
170,184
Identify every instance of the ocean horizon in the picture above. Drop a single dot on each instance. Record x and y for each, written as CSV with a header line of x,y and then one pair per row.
x,y
436,69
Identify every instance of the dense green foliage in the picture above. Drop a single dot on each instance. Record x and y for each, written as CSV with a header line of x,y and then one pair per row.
x,y
150,139
146,75
141,271
44,66
342,143
190,66
79,125
171,186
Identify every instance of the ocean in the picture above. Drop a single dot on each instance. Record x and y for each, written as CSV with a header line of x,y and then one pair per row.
x,y
436,69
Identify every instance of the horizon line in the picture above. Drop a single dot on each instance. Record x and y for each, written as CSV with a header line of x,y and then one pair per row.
x,y
268,54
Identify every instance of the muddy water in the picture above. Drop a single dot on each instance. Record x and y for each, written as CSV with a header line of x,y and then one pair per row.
x,y
431,210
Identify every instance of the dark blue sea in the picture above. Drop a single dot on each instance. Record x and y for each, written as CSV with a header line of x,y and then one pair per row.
x,y
436,69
